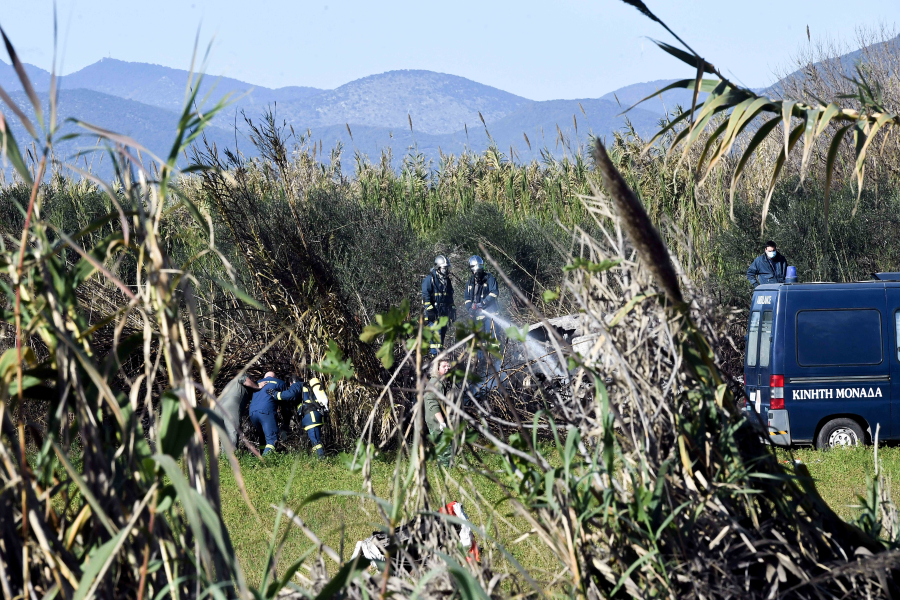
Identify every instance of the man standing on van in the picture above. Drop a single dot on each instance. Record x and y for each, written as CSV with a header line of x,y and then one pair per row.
x,y
767,268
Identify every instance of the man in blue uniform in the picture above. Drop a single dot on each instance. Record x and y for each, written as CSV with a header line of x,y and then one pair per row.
x,y
770,267
437,297
482,294
314,401
263,409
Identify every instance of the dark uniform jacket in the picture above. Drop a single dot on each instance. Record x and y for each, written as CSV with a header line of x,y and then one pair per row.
x,y
484,293
438,297
300,393
767,270
261,400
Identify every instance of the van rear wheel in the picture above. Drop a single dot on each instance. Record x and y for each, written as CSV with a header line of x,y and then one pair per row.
x,y
839,433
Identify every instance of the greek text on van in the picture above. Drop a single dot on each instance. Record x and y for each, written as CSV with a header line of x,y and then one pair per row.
x,y
836,393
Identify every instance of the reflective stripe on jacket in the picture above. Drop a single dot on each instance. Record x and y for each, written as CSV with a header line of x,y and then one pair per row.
x,y
484,292
437,296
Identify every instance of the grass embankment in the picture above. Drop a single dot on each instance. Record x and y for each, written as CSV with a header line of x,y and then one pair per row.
x,y
840,477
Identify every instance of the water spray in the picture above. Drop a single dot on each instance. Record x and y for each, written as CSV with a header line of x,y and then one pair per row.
x,y
535,351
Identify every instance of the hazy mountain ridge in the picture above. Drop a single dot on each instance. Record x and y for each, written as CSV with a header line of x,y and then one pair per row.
x,y
630,95
436,103
537,120
157,86
444,110
143,101
154,128
848,64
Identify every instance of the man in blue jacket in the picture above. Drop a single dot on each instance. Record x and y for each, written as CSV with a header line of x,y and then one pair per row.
x,y
768,268
263,409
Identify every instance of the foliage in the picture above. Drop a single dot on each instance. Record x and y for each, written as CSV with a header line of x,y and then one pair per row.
x,y
115,498
654,484
740,108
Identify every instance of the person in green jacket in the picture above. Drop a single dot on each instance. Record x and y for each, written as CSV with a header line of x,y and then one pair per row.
x,y
434,413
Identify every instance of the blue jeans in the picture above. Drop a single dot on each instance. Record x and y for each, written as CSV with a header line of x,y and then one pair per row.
x,y
312,423
265,421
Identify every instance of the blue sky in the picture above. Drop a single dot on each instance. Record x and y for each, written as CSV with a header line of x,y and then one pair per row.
x,y
538,49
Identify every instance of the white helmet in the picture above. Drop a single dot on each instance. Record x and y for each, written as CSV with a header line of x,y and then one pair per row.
x,y
476,264
441,265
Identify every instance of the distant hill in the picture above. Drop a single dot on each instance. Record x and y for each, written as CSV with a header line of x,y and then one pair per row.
x,y
39,78
157,86
143,100
435,102
539,121
848,65
154,128
164,87
634,93
600,118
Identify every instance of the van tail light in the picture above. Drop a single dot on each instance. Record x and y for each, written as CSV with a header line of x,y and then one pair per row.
x,y
776,392
744,380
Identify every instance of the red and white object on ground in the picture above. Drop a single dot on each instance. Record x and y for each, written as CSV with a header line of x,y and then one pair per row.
x,y
373,547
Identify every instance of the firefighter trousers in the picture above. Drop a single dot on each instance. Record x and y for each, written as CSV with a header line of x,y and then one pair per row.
x,y
436,348
312,423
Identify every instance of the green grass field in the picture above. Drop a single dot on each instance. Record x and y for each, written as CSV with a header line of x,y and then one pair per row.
x,y
340,521
840,476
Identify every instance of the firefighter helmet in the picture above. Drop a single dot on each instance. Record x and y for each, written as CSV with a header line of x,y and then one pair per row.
x,y
476,264
441,265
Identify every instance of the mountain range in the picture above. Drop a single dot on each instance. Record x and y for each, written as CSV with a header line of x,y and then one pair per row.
x,y
406,110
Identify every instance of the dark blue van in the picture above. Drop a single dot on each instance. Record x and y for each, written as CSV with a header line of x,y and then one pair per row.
x,y
823,361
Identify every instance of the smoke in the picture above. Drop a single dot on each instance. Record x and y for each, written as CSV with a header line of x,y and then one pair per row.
x,y
544,359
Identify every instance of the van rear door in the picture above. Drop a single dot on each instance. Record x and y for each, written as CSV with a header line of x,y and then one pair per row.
x,y
758,356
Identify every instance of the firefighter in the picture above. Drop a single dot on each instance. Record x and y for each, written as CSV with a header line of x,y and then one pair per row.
x,y
313,402
437,297
482,294
262,409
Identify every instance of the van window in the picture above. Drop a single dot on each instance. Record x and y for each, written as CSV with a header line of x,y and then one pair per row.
x,y
753,339
765,339
897,331
839,337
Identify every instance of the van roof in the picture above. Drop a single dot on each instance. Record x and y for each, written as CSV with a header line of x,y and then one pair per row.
x,y
819,284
